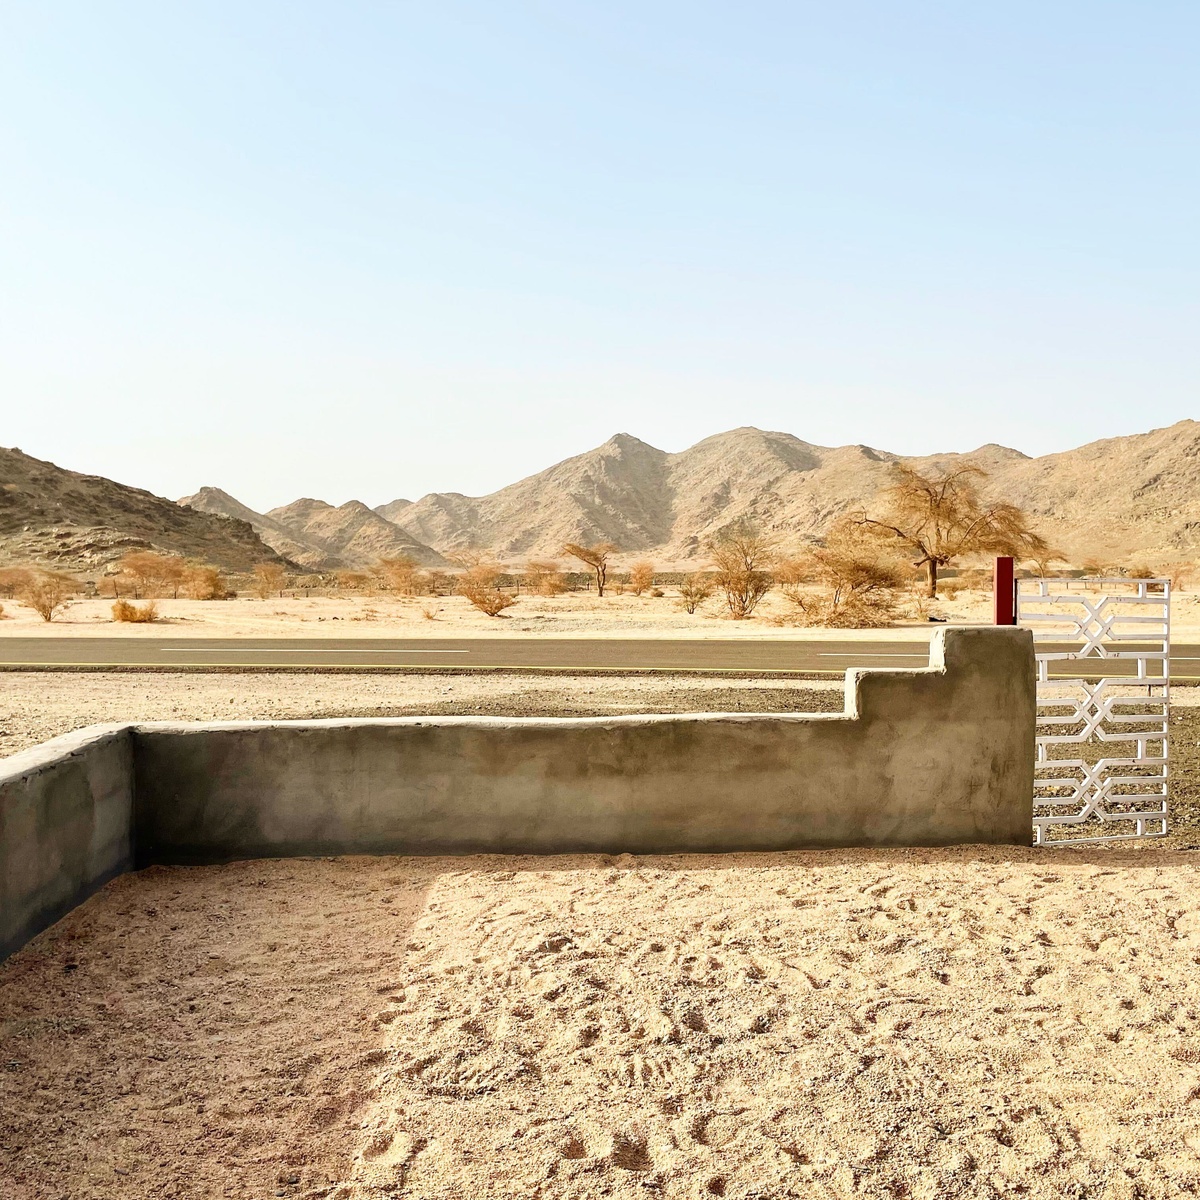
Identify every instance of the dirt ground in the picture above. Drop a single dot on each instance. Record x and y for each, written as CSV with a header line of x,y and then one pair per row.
x,y
927,1024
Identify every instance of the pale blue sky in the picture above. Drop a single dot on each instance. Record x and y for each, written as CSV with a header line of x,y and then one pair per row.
x,y
375,249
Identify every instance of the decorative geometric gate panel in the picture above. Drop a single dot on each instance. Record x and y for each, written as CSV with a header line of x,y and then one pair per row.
x,y
1103,690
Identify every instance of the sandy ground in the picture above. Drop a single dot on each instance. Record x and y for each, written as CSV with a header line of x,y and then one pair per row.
x,y
926,1024
571,615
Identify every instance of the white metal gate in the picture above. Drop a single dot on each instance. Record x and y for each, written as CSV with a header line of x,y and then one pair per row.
x,y
1103,689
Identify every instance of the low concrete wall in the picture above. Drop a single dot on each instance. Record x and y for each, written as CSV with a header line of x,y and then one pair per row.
x,y
921,757
66,825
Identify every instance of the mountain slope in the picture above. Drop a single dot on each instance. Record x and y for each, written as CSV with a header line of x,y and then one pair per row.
x,y
351,532
76,522
1122,496
279,537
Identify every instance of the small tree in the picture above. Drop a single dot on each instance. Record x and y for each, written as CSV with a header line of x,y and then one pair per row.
x,y
641,577
268,579
46,592
479,585
694,589
596,557
742,557
940,517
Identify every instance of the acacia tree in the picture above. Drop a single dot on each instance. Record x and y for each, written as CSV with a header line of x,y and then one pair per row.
x,y
595,557
940,517
742,557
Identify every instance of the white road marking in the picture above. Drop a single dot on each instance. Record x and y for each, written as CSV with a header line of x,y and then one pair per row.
x,y
291,650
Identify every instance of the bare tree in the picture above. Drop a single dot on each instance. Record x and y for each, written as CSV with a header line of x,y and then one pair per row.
x,y
46,592
641,576
742,557
694,589
596,557
268,579
940,517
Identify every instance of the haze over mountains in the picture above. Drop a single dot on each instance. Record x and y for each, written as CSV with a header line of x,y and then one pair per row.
x,y
1136,496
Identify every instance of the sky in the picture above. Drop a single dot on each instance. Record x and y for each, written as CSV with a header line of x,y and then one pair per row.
x,y
370,250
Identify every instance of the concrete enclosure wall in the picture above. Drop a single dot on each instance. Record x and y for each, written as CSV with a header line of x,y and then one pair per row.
x,y
66,827
927,756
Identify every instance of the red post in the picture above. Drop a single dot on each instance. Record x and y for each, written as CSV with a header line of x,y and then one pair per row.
x,y
1004,592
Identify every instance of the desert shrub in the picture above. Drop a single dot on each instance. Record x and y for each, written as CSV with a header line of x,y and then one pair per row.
x,y
641,577
742,558
543,577
202,581
124,611
430,611
46,592
399,575
478,585
657,593
147,573
352,581
1143,571
269,578
694,589
13,579
857,580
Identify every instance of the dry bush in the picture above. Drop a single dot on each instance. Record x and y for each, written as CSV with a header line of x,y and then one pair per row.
x,y
641,577
400,575
126,612
694,589
46,592
742,559
352,581
147,573
203,581
13,579
543,577
596,557
1143,571
437,582
858,576
478,585
430,611
269,578
940,517
1180,574
1,612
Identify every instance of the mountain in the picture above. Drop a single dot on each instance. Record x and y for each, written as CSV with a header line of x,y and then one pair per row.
x,y
1135,495
279,537
352,533
75,522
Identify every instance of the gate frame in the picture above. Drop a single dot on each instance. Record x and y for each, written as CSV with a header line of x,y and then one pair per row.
x,y
1096,709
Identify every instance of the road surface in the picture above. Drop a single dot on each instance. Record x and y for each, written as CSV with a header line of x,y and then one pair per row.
x,y
566,654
